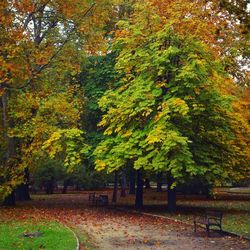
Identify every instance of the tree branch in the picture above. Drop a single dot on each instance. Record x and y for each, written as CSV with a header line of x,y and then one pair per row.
x,y
4,85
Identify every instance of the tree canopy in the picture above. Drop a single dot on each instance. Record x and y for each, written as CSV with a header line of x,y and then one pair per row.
x,y
170,112
167,82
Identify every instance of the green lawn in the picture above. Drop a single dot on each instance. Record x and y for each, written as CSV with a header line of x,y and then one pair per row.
x,y
236,223
54,236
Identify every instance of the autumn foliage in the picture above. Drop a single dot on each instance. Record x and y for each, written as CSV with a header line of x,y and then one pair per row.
x,y
176,100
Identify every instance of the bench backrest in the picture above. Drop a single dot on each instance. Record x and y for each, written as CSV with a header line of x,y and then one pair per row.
x,y
104,199
214,214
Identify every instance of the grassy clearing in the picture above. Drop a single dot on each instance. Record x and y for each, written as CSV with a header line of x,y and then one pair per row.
x,y
54,236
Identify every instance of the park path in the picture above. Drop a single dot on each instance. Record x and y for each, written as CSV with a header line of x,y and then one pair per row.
x,y
109,229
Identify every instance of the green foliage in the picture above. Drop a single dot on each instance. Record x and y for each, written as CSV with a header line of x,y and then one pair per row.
x,y
69,142
97,75
46,171
169,114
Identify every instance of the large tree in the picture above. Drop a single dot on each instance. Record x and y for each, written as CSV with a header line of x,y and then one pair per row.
x,y
170,112
42,46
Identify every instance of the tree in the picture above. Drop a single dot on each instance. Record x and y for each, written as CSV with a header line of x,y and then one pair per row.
x,y
39,44
223,25
169,112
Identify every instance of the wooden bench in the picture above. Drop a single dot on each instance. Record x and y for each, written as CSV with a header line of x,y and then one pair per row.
x,y
102,199
211,218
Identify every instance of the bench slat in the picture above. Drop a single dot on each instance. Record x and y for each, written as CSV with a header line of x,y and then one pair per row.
x,y
210,218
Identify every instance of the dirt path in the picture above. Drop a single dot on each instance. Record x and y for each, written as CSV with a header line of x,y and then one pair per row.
x,y
109,229
118,230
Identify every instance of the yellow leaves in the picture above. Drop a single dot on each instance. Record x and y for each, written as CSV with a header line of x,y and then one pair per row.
x,y
100,165
147,112
156,135
153,139
197,91
179,102
51,146
161,84
108,131
158,116
128,133
55,137
102,123
118,129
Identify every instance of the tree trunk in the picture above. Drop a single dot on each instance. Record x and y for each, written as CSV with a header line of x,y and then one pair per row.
x,y
139,191
50,186
147,183
132,181
124,184
171,195
114,198
10,200
208,191
22,191
159,182
65,186
78,187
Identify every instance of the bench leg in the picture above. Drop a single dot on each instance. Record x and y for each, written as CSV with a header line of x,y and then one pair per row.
x,y
207,229
195,227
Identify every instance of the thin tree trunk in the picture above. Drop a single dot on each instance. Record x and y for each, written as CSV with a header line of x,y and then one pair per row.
x,y
139,191
114,198
124,184
132,181
207,191
78,187
159,182
171,195
147,183
65,187
50,186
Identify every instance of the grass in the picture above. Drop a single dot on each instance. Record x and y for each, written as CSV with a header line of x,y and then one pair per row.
x,y
236,223
54,236
84,239
236,213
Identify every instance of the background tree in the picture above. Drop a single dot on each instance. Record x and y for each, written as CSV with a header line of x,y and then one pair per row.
x,y
35,38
